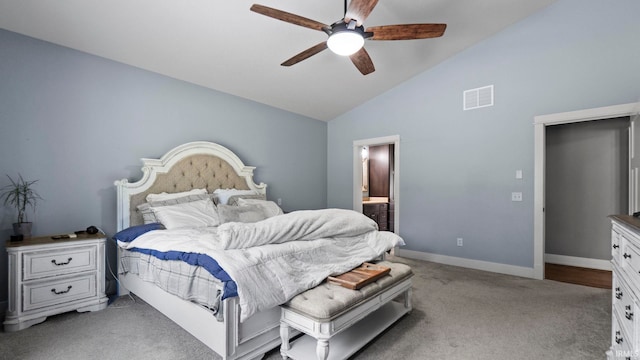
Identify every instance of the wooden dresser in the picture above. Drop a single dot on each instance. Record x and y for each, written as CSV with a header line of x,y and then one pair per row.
x,y
48,277
625,314
379,212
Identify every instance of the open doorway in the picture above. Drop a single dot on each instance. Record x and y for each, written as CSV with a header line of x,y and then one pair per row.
x,y
540,158
376,178
586,180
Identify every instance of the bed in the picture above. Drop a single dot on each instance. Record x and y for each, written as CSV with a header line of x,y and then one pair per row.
x,y
232,327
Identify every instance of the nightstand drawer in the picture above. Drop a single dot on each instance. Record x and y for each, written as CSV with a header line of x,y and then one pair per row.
x,y
37,295
41,264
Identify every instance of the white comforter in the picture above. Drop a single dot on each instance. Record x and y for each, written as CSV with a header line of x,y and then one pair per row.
x,y
273,260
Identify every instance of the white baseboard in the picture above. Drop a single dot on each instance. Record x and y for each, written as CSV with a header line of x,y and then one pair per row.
x,y
469,263
578,261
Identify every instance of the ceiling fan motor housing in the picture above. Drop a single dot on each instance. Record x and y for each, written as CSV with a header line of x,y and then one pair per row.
x,y
340,26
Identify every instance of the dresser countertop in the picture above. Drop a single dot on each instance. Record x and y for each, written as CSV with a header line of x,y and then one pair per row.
x,y
375,200
41,240
628,220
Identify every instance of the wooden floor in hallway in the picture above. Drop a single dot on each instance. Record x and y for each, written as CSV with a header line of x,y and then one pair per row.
x,y
578,275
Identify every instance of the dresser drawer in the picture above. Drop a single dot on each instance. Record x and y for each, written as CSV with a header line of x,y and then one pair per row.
x,y
620,342
630,261
616,243
624,306
39,264
53,292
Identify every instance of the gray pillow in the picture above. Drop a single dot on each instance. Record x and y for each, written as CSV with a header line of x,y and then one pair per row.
x,y
244,214
269,207
233,200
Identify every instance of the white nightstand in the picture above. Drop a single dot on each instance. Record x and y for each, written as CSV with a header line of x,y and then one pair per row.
x,y
49,277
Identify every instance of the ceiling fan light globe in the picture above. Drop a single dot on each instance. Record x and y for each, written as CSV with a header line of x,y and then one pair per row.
x,y
345,43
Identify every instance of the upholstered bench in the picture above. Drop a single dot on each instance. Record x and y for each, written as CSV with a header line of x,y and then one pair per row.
x,y
337,321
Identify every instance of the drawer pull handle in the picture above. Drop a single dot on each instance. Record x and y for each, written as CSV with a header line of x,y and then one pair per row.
x,y
627,255
62,291
615,246
619,338
618,293
54,262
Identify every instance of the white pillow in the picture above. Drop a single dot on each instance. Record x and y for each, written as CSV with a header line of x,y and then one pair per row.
x,y
168,196
201,213
222,195
147,213
270,208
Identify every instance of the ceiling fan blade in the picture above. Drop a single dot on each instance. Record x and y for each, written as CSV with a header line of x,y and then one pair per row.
x,y
406,31
288,17
306,54
359,10
363,62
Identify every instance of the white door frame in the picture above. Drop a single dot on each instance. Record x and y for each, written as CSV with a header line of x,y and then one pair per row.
x,y
540,122
357,173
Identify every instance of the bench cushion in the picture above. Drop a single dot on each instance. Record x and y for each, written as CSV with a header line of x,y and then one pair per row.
x,y
326,301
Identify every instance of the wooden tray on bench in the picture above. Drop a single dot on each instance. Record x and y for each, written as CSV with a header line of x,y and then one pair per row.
x,y
360,276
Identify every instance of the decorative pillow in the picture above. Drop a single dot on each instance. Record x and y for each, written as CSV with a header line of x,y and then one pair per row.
x,y
130,233
149,217
270,208
244,214
199,213
233,199
221,196
167,196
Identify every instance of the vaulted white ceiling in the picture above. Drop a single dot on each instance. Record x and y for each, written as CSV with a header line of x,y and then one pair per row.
x,y
223,46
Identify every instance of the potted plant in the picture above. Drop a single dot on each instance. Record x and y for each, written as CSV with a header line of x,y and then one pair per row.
x,y
20,194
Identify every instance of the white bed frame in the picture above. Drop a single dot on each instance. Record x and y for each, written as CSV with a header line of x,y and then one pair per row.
x,y
229,338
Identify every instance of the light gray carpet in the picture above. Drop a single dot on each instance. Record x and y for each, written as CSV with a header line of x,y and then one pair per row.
x,y
458,314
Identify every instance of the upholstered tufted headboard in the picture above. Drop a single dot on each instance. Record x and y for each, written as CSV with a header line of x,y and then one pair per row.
x,y
194,165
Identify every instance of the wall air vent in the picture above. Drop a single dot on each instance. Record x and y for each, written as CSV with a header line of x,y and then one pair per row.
x,y
477,98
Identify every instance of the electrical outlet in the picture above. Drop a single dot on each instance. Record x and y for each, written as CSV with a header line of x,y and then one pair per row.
x,y
516,196
279,201
459,241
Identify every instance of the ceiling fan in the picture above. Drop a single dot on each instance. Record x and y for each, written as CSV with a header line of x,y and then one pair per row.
x,y
347,36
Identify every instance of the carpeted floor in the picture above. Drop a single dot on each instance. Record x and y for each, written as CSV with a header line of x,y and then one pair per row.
x,y
458,314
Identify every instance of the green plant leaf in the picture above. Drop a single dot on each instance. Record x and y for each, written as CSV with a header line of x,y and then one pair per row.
x,y
20,194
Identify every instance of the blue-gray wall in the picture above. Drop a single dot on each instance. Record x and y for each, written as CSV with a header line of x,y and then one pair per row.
x,y
77,122
457,168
